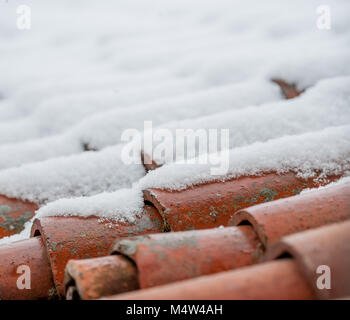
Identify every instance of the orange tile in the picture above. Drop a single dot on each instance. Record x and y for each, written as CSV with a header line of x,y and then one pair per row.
x,y
213,204
31,253
313,251
273,280
14,213
289,90
68,238
309,210
93,278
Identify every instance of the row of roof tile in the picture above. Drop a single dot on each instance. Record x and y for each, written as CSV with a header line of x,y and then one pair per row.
x,y
156,258
291,272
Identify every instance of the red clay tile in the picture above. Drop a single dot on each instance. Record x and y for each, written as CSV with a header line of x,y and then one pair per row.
x,y
286,216
78,238
169,257
326,246
99,277
294,277
272,280
68,238
31,253
289,90
14,213
148,163
212,204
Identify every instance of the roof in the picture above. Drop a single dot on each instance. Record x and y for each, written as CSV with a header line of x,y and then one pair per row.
x,y
92,225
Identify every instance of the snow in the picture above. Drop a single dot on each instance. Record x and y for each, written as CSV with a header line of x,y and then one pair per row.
x,y
141,55
91,173
342,181
123,205
326,104
327,151
105,129
77,175
71,108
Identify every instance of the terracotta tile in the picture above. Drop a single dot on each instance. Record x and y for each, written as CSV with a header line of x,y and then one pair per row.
x,y
325,246
289,90
31,253
68,238
309,210
168,257
213,204
273,280
93,278
14,213
147,163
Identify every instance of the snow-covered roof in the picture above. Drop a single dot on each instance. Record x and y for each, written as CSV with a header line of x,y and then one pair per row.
x,y
80,77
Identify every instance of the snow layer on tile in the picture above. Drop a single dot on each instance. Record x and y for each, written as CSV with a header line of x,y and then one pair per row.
x,y
326,104
77,175
70,108
106,128
123,205
327,151
183,48
342,181
24,234
87,64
